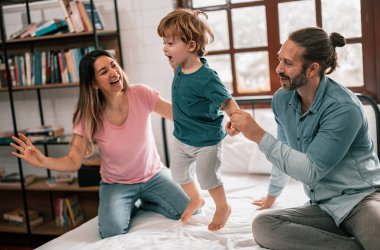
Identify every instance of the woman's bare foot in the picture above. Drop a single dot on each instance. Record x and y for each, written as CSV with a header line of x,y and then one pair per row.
x,y
193,206
220,218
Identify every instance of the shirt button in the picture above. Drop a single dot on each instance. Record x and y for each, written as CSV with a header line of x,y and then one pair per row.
x,y
298,138
312,190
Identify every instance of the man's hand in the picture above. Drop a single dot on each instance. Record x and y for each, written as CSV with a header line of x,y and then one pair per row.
x,y
265,202
243,122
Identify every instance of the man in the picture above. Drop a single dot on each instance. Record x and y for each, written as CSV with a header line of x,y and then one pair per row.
x,y
322,141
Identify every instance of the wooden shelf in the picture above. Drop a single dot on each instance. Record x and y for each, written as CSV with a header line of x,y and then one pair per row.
x,y
6,227
46,228
13,186
38,195
40,185
62,36
9,2
49,228
60,140
45,86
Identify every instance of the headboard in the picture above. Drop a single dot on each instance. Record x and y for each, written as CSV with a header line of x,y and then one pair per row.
x,y
252,102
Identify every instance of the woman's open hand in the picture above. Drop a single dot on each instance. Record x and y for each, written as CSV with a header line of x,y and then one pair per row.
x,y
27,150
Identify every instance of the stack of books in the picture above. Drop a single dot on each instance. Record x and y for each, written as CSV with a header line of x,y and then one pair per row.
x,y
36,134
44,133
68,211
42,28
6,137
17,217
78,16
61,179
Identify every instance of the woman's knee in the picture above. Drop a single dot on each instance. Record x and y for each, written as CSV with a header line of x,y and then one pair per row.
x,y
112,228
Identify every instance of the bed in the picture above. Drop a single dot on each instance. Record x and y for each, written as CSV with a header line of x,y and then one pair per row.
x,y
246,177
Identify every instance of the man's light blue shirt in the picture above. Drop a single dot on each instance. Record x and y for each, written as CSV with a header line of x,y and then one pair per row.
x,y
328,148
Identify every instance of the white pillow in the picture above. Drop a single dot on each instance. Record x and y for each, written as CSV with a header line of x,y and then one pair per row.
x,y
237,153
241,155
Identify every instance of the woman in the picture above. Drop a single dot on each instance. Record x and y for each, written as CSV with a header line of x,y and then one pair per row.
x,y
116,116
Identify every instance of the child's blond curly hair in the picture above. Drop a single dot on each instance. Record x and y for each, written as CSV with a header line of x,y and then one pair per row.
x,y
187,25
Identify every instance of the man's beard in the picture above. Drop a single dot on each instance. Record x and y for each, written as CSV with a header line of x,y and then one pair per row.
x,y
298,81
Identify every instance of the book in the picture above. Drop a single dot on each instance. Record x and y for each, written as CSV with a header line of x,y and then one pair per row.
x,y
43,67
76,17
21,31
28,68
36,77
63,67
66,14
51,27
18,215
31,29
35,222
6,137
59,220
87,22
3,76
71,213
32,222
68,211
74,210
98,20
47,130
59,180
69,65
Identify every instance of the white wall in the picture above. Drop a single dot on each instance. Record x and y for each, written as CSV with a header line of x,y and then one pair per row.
x,y
143,58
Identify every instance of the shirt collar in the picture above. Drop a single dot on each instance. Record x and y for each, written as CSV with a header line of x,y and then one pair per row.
x,y
295,100
203,61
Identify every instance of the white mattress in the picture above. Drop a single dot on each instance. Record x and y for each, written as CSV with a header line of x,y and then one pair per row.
x,y
153,231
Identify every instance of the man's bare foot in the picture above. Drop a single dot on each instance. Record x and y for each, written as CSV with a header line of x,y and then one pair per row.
x,y
193,206
220,218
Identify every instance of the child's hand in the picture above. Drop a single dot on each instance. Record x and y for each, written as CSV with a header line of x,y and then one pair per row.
x,y
230,130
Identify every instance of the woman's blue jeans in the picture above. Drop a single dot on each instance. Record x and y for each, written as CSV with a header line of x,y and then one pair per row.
x,y
117,202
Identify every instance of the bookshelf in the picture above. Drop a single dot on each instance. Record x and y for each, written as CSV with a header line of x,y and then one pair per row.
x,y
38,195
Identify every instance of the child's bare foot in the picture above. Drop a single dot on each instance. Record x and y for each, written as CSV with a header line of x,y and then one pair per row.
x,y
220,218
193,206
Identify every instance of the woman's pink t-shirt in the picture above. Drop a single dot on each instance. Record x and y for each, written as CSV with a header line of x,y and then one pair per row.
x,y
128,152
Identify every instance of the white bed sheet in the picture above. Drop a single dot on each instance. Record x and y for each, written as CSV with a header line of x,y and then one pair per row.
x,y
154,231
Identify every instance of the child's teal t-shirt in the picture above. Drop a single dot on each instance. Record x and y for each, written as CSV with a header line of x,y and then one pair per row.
x,y
197,98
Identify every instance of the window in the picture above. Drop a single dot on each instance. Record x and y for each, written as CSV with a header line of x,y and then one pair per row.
x,y
248,35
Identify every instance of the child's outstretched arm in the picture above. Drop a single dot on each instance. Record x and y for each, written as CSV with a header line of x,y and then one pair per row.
x,y
228,106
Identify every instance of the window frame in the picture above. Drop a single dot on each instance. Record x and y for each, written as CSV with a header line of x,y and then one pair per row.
x,y
370,23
